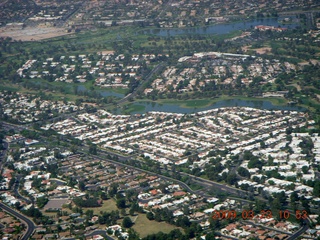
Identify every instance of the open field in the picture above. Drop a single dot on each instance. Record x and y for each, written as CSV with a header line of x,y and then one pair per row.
x,y
54,95
107,206
33,34
145,227
116,90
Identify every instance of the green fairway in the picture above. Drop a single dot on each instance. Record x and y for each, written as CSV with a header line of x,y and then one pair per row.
x,y
132,108
197,103
107,206
200,103
145,227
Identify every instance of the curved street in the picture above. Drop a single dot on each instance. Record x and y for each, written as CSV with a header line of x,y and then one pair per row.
x,y
30,225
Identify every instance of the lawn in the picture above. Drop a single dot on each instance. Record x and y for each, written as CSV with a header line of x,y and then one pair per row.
x,y
200,103
192,103
116,90
146,227
197,103
133,108
50,214
8,88
107,206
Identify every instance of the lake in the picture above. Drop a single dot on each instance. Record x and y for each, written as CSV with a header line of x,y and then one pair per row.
x,y
103,93
221,28
175,108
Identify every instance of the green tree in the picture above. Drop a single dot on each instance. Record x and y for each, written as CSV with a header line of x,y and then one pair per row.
x,y
231,178
210,236
131,211
93,149
305,169
121,203
57,154
316,188
243,172
82,186
89,213
260,205
127,222
150,216
133,235
42,201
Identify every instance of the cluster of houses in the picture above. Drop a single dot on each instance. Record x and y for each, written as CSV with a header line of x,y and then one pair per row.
x,y
49,15
169,139
106,68
265,228
176,200
14,138
118,231
25,67
314,34
6,178
181,13
99,174
158,135
26,108
294,168
269,28
9,226
174,14
205,68
166,138
247,230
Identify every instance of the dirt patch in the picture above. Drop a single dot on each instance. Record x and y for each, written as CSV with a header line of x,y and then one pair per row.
x,y
32,34
305,63
245,48
314,61
263,50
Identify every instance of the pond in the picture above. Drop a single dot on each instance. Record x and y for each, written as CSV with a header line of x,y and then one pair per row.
x,y
222,28
103,93
176,108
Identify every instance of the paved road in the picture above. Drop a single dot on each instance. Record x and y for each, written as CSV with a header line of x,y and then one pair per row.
x,y
121,163
30,224
299,232
16,190
148,77
219,186
17,128
103,155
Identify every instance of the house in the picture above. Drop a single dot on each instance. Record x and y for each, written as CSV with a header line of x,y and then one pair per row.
x,y
114,228
179,193
197,216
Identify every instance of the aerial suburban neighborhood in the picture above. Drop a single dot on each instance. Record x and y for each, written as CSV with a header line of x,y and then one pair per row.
x,y
270,148
160,120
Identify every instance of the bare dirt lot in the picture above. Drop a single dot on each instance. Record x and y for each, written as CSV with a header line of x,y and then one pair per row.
x,y
263,50
32,34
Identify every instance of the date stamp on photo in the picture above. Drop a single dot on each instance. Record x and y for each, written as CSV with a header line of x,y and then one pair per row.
x,y
263,214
